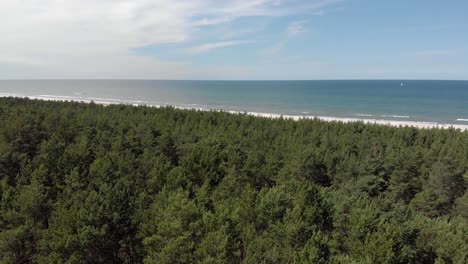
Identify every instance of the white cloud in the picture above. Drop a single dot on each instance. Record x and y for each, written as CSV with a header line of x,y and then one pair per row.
x,y
209,46
94,38
295,28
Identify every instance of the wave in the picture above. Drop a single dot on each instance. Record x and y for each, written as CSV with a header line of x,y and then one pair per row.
x,y
56,96
462,119
105,99
11,95
364,115
396,116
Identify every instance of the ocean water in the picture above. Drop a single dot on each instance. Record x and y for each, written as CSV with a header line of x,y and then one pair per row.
x,y
425,101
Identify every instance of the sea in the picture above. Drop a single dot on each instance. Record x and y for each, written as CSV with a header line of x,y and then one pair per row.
x,y
399,100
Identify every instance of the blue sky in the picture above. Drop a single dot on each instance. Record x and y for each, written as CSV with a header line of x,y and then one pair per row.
x,y
238,39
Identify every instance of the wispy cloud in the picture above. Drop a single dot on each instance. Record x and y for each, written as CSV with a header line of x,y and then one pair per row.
x,y
294,29
229,33
275,49
434,53
70,36
209,46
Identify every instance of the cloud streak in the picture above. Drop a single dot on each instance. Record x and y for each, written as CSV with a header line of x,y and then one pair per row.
x,y
210,46
434,53
294,29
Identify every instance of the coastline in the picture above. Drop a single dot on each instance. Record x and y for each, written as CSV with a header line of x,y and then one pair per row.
x,y
364,118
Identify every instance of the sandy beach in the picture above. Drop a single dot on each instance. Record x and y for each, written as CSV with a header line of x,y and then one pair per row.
x,y
366,120
104,101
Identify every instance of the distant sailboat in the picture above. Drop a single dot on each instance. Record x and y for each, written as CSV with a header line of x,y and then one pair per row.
x,y
401,84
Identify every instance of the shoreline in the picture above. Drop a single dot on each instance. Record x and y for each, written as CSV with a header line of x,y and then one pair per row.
x,y
394,123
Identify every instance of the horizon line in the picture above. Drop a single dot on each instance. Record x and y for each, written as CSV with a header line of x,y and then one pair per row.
x,y
233,80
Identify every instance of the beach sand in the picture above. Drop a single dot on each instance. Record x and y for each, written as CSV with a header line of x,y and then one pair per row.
x,y
416,124
396,123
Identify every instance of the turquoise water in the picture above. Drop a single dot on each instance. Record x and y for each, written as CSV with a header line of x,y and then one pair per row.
x,y
429,101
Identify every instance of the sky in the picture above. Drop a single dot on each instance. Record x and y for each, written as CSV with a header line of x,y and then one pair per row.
x,y
234,39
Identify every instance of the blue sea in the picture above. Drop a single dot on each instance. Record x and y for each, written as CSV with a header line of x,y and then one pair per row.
x,y
426,101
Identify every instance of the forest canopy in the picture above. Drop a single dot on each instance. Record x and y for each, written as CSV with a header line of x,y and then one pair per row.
x,y
87,183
